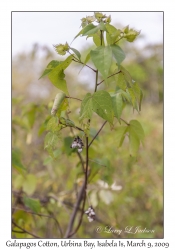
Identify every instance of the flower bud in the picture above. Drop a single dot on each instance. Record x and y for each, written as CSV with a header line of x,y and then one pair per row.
x,y
108,19
61,49
90,19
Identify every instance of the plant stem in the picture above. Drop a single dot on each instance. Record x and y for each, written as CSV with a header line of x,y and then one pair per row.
x,y
81,217
75,210
85,187
70,97
84,64
109,77
96,79
42,215
80,197
97,133
124,121
25,231
119,39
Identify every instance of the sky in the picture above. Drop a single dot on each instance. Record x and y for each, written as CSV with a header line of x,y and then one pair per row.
x,y
49,28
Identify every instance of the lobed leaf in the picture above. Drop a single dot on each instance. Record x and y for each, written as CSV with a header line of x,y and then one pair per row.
x,y
127,75
120,81
120,135
117,102
77,53
33,204
50,140
133,142
86,107
132,95
50,67
137,128
52,124
118,53
102,105
102,59
111,34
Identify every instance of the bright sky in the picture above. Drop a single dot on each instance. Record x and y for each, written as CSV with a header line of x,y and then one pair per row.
x,y
48,28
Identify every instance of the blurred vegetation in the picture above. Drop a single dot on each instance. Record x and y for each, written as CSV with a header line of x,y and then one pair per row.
x,y
124,191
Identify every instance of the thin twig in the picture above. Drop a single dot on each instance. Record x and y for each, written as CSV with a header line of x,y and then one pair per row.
x,y
19,232
78,128
81,217
74,98
97,134
118,39
96,84
75,210
84,64
25,231
124,121
42,215
109,77
85,186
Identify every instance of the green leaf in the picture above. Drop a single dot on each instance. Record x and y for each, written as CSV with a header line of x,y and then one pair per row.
x,y
118,53
52,124
16,161
31,117
29,185
117,105
56,76
140,101
57,102
86,107
50,67
136,134
77,53
89,27
137,128
58,81
91,31
97,39
132,95
133,142
111,34
102,105
120,135
87,58
33,204
121,82
127,75
136,90
102,26
51,140
126,96
102,59
64,106
95,30
66,122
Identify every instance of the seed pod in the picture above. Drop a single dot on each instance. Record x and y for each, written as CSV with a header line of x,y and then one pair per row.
x,y
57,102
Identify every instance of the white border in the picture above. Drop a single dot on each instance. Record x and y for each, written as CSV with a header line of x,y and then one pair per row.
x,y
5,96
